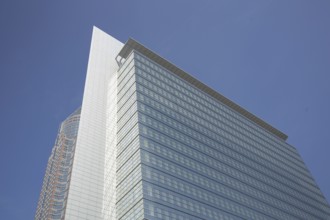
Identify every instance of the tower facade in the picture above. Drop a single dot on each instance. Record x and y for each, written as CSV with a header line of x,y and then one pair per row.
x,y
55,187
156,143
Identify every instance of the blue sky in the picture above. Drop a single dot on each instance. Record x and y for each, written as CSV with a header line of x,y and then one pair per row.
x,y
272,57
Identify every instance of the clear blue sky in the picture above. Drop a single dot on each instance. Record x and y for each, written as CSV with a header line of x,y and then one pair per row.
x,y
272,57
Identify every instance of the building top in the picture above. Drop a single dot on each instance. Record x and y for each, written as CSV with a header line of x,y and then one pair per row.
x,y
131,44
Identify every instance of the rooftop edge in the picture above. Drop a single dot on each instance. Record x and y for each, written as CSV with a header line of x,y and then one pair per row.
x,y
131,44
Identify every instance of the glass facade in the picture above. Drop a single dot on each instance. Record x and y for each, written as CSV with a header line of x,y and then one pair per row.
x,y
56,184
155,143
202,160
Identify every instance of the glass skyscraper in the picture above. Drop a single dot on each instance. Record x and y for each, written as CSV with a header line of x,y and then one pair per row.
x,y
155,143
54,192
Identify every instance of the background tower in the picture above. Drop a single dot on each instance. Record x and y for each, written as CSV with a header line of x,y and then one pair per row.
x,y
56,184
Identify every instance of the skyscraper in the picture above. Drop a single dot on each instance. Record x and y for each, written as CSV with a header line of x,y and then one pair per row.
x,y
54,192
155,143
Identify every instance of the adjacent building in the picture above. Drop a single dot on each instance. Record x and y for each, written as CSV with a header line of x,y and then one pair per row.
x,y
155,143
55,187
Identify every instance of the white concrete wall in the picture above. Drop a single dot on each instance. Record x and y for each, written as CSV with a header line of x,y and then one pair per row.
x,y
88,187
